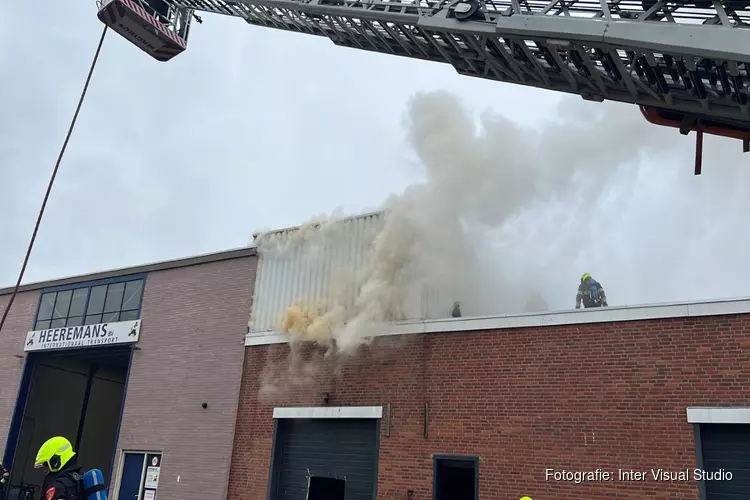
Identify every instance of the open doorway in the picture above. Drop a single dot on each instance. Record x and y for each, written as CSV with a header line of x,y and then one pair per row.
x,y
456,478
77,394
326,488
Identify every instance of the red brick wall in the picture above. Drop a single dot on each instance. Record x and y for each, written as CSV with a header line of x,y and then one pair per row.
x,y
191,351
20,321
573,397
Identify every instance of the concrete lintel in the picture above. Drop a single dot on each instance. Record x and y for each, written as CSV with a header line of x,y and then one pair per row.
x,y
329,412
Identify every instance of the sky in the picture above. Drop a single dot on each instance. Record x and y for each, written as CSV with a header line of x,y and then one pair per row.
x,y
254,129
249,129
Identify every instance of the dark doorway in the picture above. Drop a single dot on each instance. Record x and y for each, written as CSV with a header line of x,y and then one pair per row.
x,y
326,488
456,478
77,394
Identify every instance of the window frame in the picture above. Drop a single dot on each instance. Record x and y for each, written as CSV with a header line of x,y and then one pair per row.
x,y
88,286
144,469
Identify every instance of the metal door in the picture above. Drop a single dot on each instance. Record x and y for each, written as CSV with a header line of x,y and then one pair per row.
x,y
345,449
726,447
132,475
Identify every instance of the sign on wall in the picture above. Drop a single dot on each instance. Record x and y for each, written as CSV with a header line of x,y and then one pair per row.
x,y
121,332
153,469
152,473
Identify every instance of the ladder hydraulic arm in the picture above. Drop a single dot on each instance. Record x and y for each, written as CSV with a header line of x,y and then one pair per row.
x,y
684,62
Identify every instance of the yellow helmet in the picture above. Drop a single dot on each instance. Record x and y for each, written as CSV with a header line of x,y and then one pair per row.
x,y
584,277
54,454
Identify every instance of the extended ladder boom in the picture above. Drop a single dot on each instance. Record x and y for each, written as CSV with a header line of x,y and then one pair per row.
x,y
662,57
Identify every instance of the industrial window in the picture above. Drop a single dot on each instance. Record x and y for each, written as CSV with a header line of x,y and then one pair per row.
x,y
89,304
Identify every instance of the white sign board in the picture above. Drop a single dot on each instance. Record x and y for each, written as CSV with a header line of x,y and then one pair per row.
x,y
121,332
149,495
152,478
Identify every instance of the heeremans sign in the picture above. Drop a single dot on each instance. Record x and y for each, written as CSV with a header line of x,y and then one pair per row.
x,y
121,332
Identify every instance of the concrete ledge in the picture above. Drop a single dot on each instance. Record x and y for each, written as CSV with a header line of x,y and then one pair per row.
x,y
555,318
706,415
329,412
265,338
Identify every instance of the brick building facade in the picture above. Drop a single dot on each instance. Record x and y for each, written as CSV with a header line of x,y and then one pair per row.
x,y
606,389
18,323
505,398
190,353
193,317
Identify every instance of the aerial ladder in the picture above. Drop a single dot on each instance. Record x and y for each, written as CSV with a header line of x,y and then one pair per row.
x,y
685,63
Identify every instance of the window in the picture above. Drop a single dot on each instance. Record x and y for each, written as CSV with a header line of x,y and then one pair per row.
x,y
90,304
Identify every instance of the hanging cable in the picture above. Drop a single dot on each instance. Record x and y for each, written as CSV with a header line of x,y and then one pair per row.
x,y
52,180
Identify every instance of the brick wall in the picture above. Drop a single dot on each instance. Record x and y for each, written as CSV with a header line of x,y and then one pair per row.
x,y
191,351
19,322
573,397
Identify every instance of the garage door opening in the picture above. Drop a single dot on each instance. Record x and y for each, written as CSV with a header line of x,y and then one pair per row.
x,y
456,478
326,488
310,453
725,447
76,394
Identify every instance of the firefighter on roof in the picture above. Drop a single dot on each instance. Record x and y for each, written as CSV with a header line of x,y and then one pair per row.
x,y
63,481
590,292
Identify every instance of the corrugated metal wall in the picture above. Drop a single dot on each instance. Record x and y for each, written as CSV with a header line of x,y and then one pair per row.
x,y
304,264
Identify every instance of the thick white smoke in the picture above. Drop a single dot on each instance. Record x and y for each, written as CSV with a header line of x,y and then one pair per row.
x,y
508,218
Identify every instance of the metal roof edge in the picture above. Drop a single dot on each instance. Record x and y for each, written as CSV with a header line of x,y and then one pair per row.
x,y
237,253
342,218
612,314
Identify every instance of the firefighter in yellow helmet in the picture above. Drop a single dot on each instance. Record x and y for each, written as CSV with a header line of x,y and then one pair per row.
x,y
63,479
4,477
590,292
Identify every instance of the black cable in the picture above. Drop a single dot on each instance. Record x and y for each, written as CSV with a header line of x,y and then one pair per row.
x,y
52,180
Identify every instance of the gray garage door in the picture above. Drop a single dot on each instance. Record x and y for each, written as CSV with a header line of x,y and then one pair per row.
x,y
727,446
325,448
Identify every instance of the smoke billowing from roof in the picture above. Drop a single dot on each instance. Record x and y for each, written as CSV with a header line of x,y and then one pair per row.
x,y
507,216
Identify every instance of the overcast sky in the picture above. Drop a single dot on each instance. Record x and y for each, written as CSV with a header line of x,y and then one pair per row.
x,y
253,128
250,128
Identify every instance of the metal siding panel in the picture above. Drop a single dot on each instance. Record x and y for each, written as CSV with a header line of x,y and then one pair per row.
x,y
342,448
726,446
438,304
292,275
288,276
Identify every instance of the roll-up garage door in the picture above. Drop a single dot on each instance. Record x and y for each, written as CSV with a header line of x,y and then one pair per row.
x,y
331,456
727,447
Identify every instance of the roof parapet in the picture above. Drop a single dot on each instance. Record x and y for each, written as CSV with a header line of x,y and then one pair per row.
x,y
236,253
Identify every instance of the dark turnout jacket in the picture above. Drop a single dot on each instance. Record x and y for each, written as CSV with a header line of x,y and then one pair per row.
x,y
65,484
591,294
